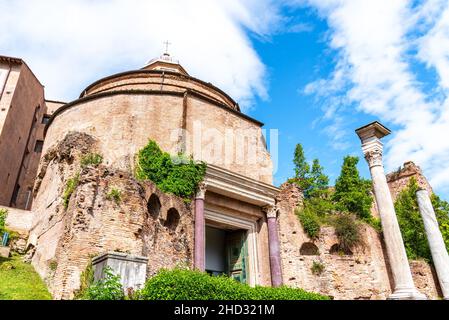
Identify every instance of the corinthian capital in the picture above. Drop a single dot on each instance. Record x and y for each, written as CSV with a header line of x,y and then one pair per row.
x,y
201,193
271,211
374,157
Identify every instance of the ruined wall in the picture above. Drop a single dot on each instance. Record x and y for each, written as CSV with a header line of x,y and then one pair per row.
x,y
399,180
362,275
62,241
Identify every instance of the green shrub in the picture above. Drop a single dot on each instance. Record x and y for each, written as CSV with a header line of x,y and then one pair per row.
x,y
193,285
114,195
178,175
109,288
71,186
317,268
310,223
3,215
348,232
91,159
87,279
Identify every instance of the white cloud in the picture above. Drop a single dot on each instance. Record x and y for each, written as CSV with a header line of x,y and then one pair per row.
x,y
71,43
376,42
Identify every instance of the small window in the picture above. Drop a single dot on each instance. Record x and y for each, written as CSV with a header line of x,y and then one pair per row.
x,y
39,146
45,119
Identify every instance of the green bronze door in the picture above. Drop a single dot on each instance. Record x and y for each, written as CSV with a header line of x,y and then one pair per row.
x,y
237,255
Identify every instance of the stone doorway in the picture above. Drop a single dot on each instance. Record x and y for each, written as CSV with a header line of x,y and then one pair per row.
x,y
227,253
231,247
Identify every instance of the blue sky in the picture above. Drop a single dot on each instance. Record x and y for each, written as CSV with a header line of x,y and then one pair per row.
x,y
314,69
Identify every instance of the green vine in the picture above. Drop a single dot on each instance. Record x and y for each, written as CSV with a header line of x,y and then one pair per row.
x,y
71,186
179,175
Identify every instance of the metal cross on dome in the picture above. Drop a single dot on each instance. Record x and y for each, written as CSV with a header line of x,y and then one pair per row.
x,y
167,44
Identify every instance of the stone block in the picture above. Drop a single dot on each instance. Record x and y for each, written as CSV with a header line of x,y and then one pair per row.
x,y
131,269
4,252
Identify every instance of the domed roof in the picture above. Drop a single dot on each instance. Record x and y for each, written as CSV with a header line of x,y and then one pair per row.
x,y
165,63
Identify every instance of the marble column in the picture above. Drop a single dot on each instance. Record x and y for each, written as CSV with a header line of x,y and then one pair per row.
x,y
404,288
200,230
275,251
437,246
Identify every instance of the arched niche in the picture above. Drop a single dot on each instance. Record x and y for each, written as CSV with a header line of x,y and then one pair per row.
x,y
337,250
309,249
172,221
154,206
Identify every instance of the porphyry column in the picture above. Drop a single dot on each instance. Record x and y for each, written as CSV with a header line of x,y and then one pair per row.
x,y
200,230
275,251
437,246
402,276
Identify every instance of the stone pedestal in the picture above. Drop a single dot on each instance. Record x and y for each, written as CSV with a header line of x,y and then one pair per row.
x,y
437,246
200,230
402,277
131,269
5,252
275,252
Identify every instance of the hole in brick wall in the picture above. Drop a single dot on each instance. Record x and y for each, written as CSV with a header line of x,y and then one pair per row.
x,y
173,218
309,249
154,206
337,250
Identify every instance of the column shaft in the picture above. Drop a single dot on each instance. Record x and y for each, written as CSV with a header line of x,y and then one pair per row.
x,y
397,255
200,232
437,246
275,252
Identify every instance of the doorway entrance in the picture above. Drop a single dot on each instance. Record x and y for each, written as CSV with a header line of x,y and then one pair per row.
x,y
227,253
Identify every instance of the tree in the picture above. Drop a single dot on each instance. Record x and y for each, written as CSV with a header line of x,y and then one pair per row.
x,y
302,168
352,193
318,180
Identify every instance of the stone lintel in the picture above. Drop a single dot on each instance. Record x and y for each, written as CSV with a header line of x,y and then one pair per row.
x,y
236,186
374,129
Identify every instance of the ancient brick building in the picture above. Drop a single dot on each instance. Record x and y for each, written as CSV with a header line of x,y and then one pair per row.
x,y
238,224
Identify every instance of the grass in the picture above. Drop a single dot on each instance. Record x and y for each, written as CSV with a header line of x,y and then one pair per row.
x,y
19,281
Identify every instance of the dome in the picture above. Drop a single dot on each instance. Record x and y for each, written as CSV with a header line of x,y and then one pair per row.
x,y
165,63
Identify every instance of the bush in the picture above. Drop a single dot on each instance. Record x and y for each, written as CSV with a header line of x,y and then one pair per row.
x,y
114,195
347,230
317,268
179,175
3,215
310,223
109,288
86,279
92,159
193,285
71,186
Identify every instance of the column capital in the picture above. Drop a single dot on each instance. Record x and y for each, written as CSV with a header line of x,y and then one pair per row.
x,y
201,193
374,157
271,211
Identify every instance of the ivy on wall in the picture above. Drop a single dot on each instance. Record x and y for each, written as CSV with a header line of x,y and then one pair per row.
x,y
179,175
